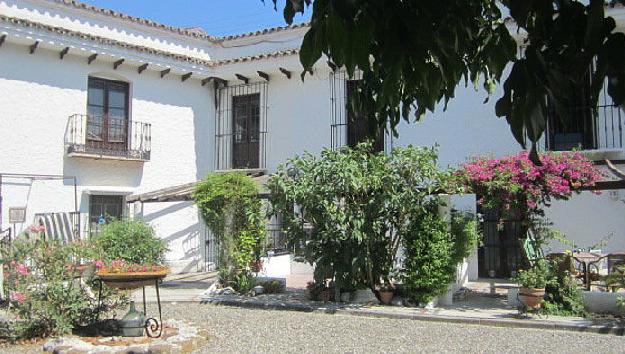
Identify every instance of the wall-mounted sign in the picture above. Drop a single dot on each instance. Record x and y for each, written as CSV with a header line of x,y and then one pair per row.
x,y
17,215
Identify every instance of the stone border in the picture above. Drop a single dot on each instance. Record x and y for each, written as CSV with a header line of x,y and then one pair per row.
x,y
607,327
188,339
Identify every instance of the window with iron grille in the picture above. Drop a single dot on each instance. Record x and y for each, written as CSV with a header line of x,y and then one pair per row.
x,y
103,209
241,126
599,127
349,127
593,127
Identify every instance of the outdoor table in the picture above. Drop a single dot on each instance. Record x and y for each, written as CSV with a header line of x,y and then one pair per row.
x,y
588,259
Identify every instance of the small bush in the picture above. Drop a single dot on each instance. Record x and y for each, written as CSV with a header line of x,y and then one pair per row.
x,y
130,240
48,292
430,263
272,286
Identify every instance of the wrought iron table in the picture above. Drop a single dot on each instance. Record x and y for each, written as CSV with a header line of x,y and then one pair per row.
x,y
153,327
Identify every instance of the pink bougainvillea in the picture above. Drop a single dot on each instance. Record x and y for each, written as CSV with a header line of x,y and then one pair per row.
x,y
515,181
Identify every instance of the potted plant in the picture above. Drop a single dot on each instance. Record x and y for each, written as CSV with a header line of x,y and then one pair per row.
x,y
532,283
386,293
313,291
131,255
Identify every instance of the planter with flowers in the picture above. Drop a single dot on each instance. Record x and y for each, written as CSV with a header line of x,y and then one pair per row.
x,y
532,283
131,255
127,276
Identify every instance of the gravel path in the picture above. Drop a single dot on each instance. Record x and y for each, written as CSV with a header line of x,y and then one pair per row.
x,y
261,331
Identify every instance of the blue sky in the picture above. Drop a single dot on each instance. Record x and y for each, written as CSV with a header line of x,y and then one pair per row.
x,y
217,17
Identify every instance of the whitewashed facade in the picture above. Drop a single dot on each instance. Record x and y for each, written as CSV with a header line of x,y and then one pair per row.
x,y
50,49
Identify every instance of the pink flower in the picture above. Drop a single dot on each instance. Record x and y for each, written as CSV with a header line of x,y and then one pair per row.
x,y
19,297
22,269
99,264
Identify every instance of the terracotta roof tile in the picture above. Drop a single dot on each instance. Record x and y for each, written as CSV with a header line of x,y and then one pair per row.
x,y
103,40
281,53
143,21
265,31
144,49
191,32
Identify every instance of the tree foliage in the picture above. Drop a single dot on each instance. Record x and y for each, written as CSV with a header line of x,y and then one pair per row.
x,y
414,53
359,206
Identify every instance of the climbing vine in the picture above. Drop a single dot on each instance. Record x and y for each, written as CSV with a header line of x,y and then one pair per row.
x,y
231,207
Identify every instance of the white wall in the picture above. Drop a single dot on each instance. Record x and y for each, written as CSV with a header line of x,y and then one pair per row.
x,y
40,92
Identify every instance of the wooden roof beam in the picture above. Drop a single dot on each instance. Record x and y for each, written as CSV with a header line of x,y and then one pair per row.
x,y
245,79
33,47
64,52
264,75
165,72
91,58
118,63
186,76
142,68
285,72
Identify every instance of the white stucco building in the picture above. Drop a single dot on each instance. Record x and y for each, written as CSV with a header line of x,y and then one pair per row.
x,y
124,106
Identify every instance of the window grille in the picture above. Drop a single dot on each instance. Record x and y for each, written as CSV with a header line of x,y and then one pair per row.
x,y
241,126
340,84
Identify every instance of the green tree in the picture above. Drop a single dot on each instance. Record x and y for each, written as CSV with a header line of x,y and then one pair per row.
x,y
359,206
413,54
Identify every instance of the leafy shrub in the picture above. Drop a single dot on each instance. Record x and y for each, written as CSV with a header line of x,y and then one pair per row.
x,y
563,297
360,206
232,210
272,286
466,235
46,289
130,240
537,276
430,259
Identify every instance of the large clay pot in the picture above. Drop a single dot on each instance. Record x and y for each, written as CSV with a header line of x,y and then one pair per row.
x,y
386,296
532,297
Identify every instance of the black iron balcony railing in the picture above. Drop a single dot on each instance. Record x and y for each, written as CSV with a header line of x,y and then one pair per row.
x,y
107,137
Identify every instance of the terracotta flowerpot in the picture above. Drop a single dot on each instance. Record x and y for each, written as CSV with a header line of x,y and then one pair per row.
x,y
386,296
532,297
131,280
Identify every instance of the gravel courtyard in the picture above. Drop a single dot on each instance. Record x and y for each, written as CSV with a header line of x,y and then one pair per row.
x,y
261,331
237,330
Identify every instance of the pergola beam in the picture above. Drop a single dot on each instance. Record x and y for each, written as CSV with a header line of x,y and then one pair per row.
x,y
118,63
165,72
2,38
206,80
186,76
64,52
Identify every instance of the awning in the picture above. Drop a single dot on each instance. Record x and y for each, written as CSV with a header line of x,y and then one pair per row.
x,y
183,192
